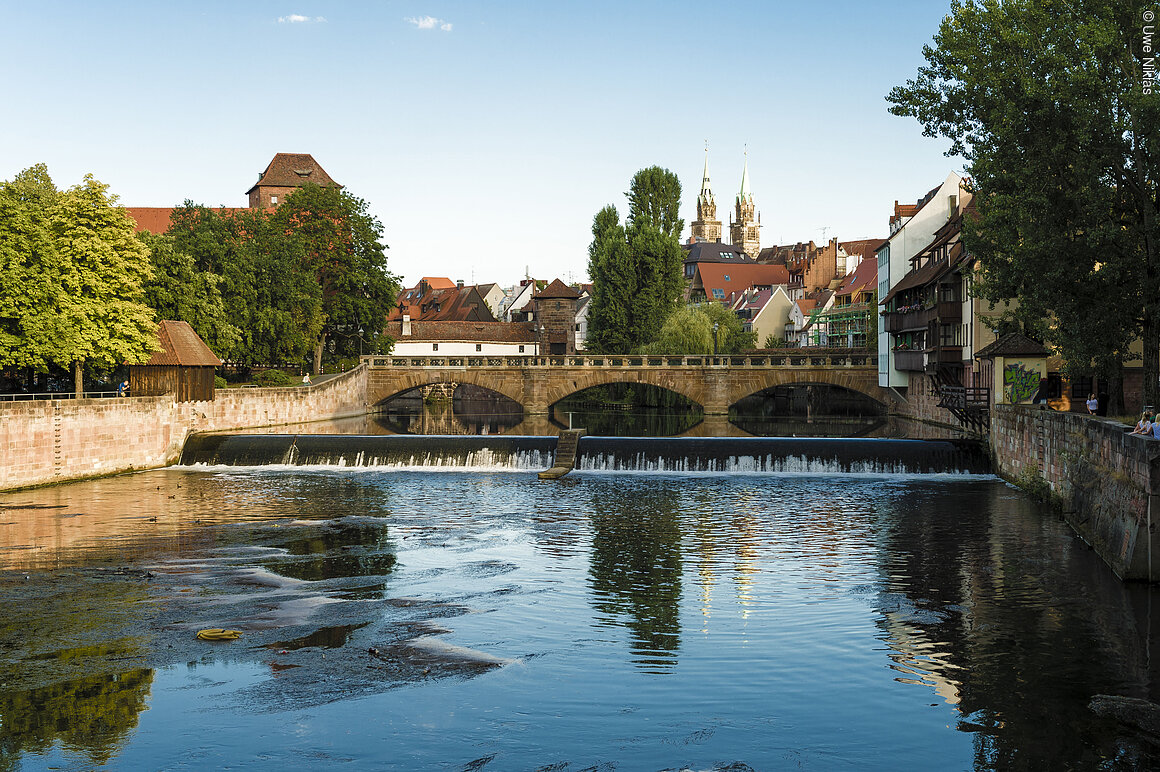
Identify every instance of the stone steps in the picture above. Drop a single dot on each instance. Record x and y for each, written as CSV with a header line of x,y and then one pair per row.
x,y
565,459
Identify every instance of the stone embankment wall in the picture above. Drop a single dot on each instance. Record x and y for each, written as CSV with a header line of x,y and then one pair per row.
x,y
1104,479
46,441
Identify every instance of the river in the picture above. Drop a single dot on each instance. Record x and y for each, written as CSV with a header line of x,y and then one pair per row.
x,y
468,616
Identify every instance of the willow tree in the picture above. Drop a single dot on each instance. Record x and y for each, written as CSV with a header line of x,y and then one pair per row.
x,y
1044,100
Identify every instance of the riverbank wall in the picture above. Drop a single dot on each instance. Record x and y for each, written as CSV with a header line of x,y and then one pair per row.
x,y
1104,480
48,441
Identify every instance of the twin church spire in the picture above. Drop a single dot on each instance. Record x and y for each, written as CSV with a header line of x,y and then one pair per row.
x,y
744,225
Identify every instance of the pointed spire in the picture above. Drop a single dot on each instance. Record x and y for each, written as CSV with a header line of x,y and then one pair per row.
x,y
745,194
706,188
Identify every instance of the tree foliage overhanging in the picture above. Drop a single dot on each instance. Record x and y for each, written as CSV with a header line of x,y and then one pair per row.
x,y
636,268
1044,99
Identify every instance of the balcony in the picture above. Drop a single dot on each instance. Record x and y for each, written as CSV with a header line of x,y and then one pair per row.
x,y
910,361
949,311
908,320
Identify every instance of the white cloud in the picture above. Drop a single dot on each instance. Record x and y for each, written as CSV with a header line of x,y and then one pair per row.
x,y
297,18
429,22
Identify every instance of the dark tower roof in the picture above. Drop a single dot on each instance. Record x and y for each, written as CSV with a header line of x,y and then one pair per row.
x,y
557,289
292,170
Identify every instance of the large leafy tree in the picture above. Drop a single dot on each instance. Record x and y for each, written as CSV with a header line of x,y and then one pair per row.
x,y
340,245
179,290
1044,100
29,265
636,269
73,275
267,291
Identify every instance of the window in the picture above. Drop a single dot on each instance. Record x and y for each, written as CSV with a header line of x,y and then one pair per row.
x,y
273,199
726,277
434,346
718,293
521,349
479,347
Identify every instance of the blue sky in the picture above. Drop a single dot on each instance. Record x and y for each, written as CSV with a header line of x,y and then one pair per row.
x,y
484,135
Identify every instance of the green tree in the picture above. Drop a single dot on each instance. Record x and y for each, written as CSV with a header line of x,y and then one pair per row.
x,y
29,263
341,246
654,198
636,270
1043,99
267,291
73,276
689,330
179,290
101,319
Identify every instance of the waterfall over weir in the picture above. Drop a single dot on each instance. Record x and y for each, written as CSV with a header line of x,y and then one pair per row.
x,y
778,455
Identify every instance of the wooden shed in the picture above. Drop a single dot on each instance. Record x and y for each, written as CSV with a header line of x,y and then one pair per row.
x,y
184,367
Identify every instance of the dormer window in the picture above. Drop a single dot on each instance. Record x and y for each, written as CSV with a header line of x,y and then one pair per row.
x,y
273,199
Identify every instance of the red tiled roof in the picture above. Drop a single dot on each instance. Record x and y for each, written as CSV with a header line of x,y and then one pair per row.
x,y
471,332
863,247
180,345
292,170
437,282
155,219
734,277
557,289
865,275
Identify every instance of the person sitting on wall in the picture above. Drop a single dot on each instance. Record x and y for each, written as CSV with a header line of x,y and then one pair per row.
x,y
1093,404
1143,426
1156,426
306,380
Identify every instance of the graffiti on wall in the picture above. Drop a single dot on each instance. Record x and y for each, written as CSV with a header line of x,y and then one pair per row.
x,y
1019,383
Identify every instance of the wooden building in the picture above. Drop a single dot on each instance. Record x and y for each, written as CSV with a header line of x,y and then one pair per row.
x,y
184,367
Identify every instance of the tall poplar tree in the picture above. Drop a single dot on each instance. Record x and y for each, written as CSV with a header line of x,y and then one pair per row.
x,y
1044,99
636,270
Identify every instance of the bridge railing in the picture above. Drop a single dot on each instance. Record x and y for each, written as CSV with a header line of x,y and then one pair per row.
x,y
797,357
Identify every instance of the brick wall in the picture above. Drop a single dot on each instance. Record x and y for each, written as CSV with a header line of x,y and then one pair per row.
x,y
48,441
1105,479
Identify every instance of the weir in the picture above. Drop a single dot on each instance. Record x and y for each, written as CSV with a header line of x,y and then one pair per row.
x,y
776,455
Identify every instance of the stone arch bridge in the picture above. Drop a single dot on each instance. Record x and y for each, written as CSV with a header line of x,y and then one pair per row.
x,y
715,383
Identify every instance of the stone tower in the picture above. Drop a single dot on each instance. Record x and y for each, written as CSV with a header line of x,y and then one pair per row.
x,y
745,225
706,227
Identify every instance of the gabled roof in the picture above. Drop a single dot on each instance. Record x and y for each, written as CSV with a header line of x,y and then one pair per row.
x,y
734,277
1013,344
865,275
293,170
863,247
557,289
180,345
715,252
437,282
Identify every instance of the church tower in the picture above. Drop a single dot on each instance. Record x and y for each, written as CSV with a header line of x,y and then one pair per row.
x,y
745,225
706,227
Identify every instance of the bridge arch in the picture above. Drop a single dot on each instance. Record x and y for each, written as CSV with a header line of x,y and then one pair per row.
x,y
384,385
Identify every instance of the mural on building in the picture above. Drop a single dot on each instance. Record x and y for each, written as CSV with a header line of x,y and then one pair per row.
x,y
1020,383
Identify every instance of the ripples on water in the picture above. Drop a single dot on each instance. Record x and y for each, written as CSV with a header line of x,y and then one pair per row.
x,y
604,621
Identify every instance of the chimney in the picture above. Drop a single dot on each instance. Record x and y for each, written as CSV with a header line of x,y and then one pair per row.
x,y
406,325
459,284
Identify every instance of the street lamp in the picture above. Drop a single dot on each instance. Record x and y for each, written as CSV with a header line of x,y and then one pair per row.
x,y
715,326
539,338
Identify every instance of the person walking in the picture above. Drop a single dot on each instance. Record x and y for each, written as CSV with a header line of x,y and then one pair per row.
x,y
1092,403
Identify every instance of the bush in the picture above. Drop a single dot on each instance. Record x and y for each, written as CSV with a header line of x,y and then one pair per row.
x,y
219,382
273,378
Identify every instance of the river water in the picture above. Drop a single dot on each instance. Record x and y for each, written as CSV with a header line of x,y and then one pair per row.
x,y
453,617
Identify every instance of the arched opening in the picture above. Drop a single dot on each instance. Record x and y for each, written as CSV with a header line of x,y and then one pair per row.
x,y
627,410
809,410
449,408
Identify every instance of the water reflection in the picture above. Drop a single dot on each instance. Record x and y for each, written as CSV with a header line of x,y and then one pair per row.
x,y
635,570
91,716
